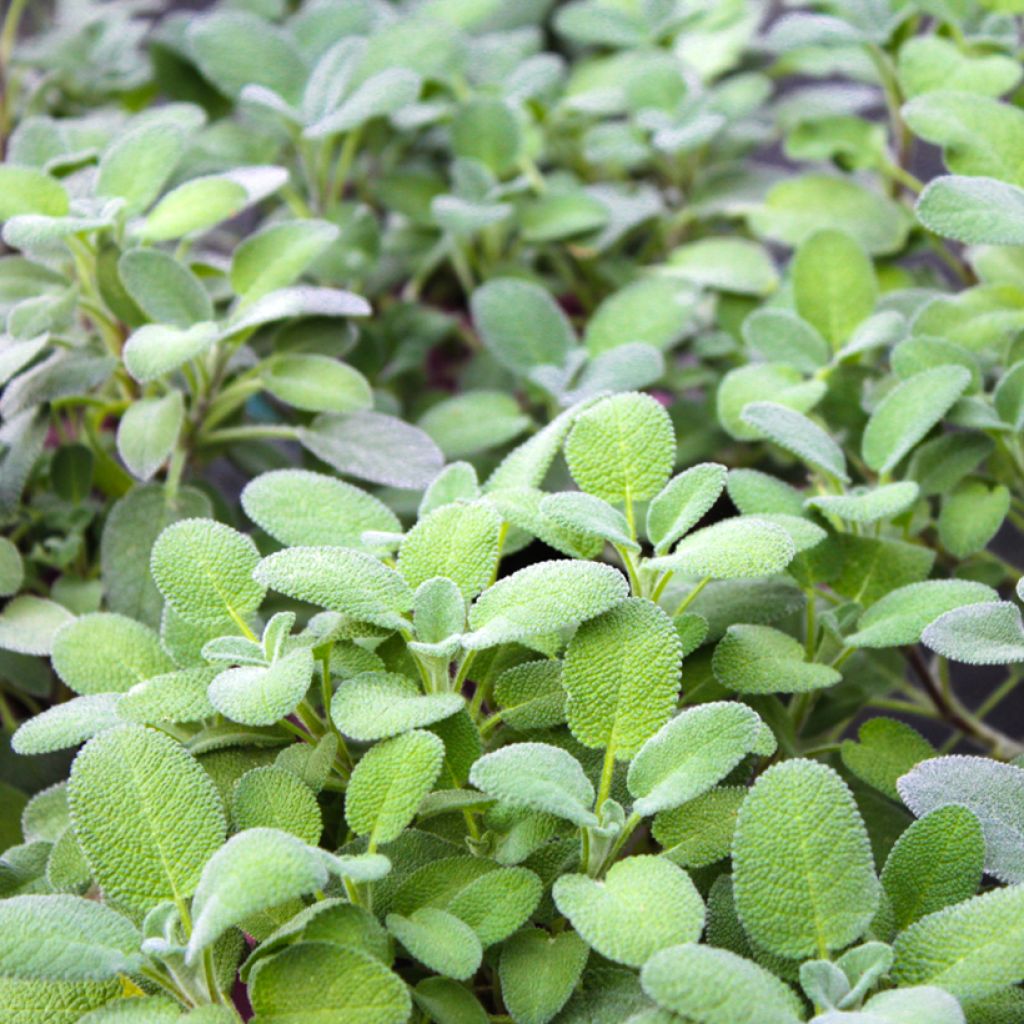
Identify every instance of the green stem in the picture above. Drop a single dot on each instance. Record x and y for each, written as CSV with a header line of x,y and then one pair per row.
x,y
607,773
690,597
254,432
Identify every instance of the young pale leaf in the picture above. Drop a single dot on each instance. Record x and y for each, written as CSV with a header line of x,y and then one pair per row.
x,y
700,832
538,973
299,508
316,383
299,301
179,696
521,325
439,610
372,446
900,617
324,983
992,791
885,750
622,449
30,624
456,482
142,855
204,569
797,434
833,284
975,210
872,506
341,580
614,916
389,784
155,350
543,598
276,255
195,206
164,289
936,863
931,63
745,385
582,513
690,754
971,949
759,659
26,190
988,633
621,675
67,725
66,938
439,940
253,871
459,542
107,653
258,695
908,413
804,877
274,797
531,695
713,986
538,776
376,705
727,264
744,547
148,432
682,503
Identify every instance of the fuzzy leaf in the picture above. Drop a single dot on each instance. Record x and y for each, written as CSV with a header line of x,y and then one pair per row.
x,y
538,776
971,516
682,503
652,310
700,831
67,725
622,449
797,434
389,783
276,255
316,383
780,336
615,918
53,1002
621,675
142,855
582,513
538,973
179,696
992,791
543,598
298,301
376,705
258,695
166,291
690,754
988,633
148,432
474,421
748,384
715,986
204,569
885,750
727,264
743,547
341,580
804,877
439,940
531,695
155,350
30,624
273,797
975,210
872,506
759,659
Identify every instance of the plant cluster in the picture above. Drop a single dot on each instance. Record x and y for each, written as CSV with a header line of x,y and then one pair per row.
x,y
497,501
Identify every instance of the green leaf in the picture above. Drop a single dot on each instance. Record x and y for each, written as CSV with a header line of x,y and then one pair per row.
x,y
448,1002
797,434
30,624
164,289
622,449
652,310
614,916
262,695
276,255
747,384
580,513
148,432
531,695
621,675
154,350
460,542
538,973
780,336
901,616
936,863
714,986
179,696
142,856
253,871
137,164
690,754
53,1002
376,705
538,776
543,598
521,325
487,130
273,797
992,791
25,190
300,508
438,940
12,571
683,502
389,783
322,983
554,217
833,284
726,264
474,421
973,210
804,877
316,383
67,724
971,516
700,831
341,580
195,206
931,63
874,566
908,412
759,659
989,633
205,571
379,96
148,1010
744,547
868,506
885,750
971,949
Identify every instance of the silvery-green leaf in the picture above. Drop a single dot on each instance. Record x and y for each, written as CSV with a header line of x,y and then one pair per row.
x,y
148,432
262,695
727,264
797,434
297,301
743,547
883,502
759,659
988,633
164,288
682,503
29,624
155,350
67,725
379,96
376,705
